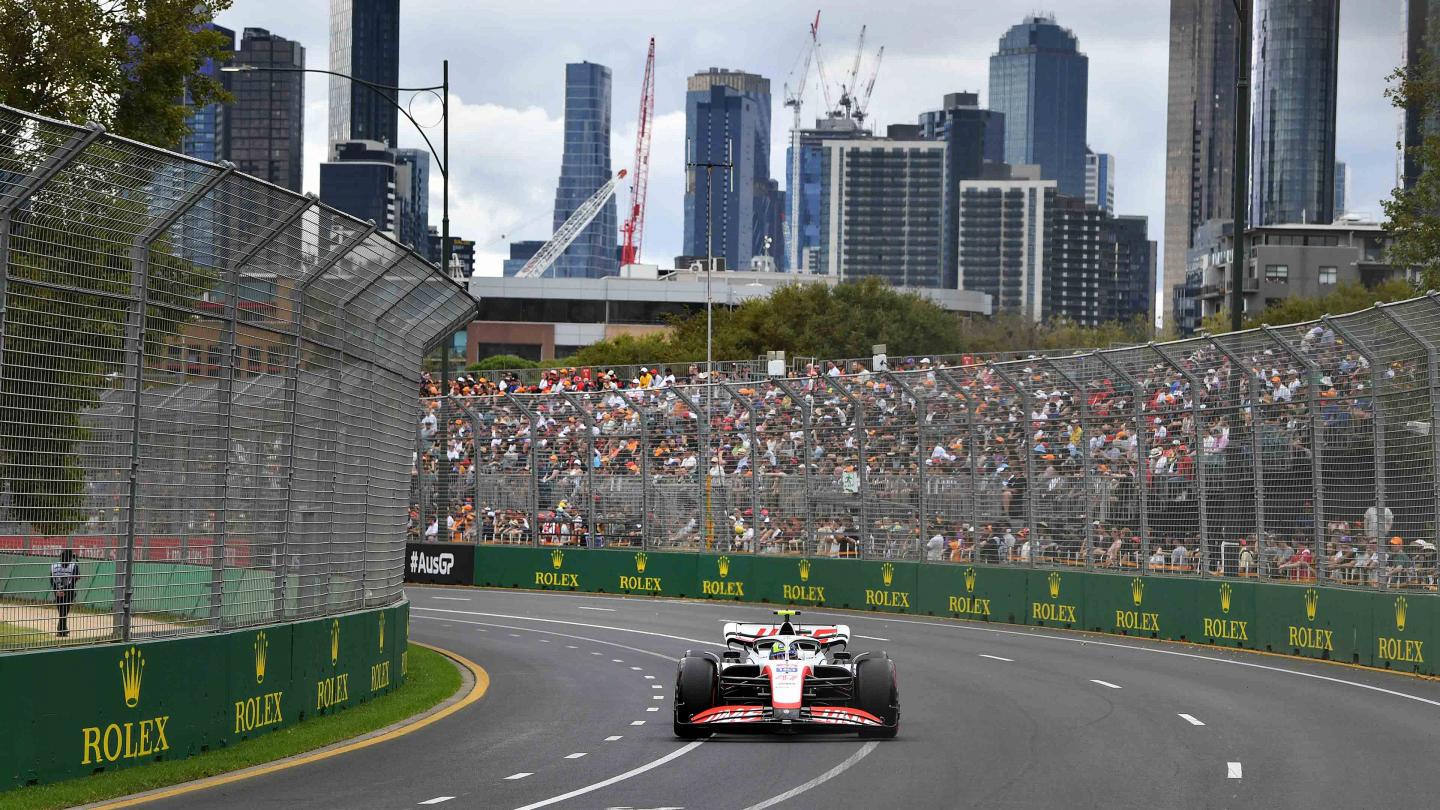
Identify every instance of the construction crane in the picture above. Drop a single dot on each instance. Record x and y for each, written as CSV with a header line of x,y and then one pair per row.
x,y
634,227
795,101
565,234
847,90
862,107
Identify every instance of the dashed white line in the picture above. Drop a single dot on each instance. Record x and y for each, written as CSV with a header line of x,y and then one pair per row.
x,y
649,677
637,669
514,635
571,647
1232,770
653,709
1106,683
451,599
656,686
616,661
997,658
437,800
1190,718
658,697
594,653
587,607
520,775
637,722
544,641
614,737
576,755
679,752
819,780
870,638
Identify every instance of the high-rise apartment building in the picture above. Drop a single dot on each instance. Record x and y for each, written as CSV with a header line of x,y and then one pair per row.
x,y
727,120
364,43
1294,71
1039,81
462,251
206,139
1003,246
266,122
803,232
360,180
973,136
584,168
412,197
1100,180
1342,187
1200,129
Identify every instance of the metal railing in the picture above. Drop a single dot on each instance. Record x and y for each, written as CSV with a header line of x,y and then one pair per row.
x,y
1303,452
206,393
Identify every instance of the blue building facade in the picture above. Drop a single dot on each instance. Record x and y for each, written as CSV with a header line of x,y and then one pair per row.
x,y
364,43
1039,81
584,168
973,136
412,196
805,229
361,182
727,119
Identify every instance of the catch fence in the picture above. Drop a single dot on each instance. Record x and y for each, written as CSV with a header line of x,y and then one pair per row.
x,y
1305,452
206,392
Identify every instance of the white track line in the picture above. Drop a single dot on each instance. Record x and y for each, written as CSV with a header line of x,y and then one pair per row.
x,y
997,658
587,607
1190,718
637,722
561,635
706,642
576,755
1232,770
819,780
679,752
871,638
451,599
1105,683
653,709
520,775
438,800
614,737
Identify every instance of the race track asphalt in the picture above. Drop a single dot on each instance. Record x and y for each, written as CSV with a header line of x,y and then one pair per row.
x,y
991,716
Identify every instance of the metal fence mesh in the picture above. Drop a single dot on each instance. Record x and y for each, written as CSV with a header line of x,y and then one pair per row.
x,y
1305,452
206,393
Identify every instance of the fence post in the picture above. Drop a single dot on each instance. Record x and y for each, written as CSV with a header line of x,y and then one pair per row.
x,y
533,487
644,445
804,405
859,425
1082,407
1142,461
1197,450
590,494
1377,419
136,334
921,454
1432,365
1028,448
1247,375
1317,459
754,462
971,441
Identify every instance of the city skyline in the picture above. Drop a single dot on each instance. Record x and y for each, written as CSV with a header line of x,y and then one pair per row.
x,y
508,113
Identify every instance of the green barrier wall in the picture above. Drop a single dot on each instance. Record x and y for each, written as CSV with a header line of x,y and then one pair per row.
x,y
74,712
1391,630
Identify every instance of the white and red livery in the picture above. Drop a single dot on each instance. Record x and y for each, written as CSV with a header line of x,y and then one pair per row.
x,y
786,677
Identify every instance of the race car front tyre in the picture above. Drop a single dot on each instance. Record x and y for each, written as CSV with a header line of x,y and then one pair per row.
x,y
877,693
695,686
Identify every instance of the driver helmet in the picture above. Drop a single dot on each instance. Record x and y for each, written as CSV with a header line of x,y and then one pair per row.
x,y
795,652
776,649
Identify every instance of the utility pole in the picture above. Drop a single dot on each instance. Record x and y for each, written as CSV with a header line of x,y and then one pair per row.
x,y
1238,259
710,166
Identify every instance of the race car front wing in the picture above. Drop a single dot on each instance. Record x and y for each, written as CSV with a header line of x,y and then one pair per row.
x,y
739,718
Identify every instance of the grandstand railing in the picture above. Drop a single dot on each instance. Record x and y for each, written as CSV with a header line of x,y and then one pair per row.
x,y
206,392
1304,452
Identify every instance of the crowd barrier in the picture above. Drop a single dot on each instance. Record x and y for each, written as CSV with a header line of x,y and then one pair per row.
x,y
1398,631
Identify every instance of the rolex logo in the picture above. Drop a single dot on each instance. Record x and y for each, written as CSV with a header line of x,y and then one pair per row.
x,y
1225,597
887,573
557,559
132,669
1054,584
804,570
1401,605
381,624
334,642
1312,603
640,560
969,580
724,565
262,648
1137,590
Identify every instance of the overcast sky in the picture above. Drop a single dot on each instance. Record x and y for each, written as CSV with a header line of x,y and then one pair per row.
x,y
507,74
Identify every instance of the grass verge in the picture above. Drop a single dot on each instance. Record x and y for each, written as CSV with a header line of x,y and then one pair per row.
x,y
432,678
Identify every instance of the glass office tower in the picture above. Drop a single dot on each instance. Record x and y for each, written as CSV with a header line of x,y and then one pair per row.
x,y
364,43
584,168
1039,81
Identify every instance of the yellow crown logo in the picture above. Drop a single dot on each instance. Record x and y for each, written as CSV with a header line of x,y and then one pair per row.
x,y
132,669
1225,597
804,570
334,642
262,648
887,573
1312,603
381,624
969,580
640,560
724,565
1401,605
557,559
1054,584
1137,590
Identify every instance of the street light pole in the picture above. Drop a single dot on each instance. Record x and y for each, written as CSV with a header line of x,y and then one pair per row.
x,y
1241,186
709,166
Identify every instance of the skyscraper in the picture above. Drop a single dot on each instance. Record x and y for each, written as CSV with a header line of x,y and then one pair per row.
x,y
206,138
584,168
1342,187
805,230
267,119
364,43
1200,130
1421,31
1100,180
973,136
727,119
360,180
1294,71
1039,81
412,197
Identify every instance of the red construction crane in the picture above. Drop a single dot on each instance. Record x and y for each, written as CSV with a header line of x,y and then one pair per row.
x,y
634,226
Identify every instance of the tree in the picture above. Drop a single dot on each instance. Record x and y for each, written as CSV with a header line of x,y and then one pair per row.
x,y
125,64
1412,215
1349,297
501,362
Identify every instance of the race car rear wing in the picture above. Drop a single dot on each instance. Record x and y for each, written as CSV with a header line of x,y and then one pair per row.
x,y
747,635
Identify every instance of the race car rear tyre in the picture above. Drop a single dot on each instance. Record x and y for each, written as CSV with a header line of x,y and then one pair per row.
x,y
695,686
877,693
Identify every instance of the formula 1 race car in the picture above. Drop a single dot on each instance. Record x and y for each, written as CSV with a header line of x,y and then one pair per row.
x,y
786,678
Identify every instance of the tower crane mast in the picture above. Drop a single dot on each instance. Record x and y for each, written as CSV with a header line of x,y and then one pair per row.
x,y
565,234
795,101
634,227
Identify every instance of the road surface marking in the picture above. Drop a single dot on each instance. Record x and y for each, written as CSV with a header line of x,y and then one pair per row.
x,y
871,638
575,755
514,635
437,800
679,752
614,737
1190,718
658,697
649,677
997,658
1232,770
1105,683
656,686
616,661
637,669
594,653
653,709
587,607
571,647
668,657
706,642
544,641
520,775
637,722
819,780
450,599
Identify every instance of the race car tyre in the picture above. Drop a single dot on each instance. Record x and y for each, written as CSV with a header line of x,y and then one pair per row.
x,y
877,693
695,686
